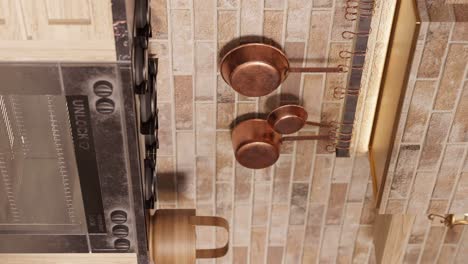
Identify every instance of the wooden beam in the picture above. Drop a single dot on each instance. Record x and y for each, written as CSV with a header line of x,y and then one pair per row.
x,y
391,234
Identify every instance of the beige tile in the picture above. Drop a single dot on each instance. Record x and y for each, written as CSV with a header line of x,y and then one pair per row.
x,y
224,156
181,4
340,24
304,157
275,255
460,200
205,133
447,254
263,175
224,200
349,232
336,203
334,80
461,12
240,255
241,224
260,214
311,244
205,179
363,244
276,4
463,249
246,110
420,227
438,206
330,244
225,115
404,172
287,147
224,93
459,131
281,191
227,25
185,169
396,206
433,53
452,77
460,32
165,129
436,134
291,86
453,159
204,71
322,4
342,170
205,234
421,192
321,180
293,244
438,11
251,21
183,96
283,168
369,210
159,19
319,32
160,49
312,96
298,11
359,179
166,180
182,42
262,192
453,234
298,208
243,179
204,18
258,245
316,212
273,25
412,254
433,243
228,3
278,225
419,111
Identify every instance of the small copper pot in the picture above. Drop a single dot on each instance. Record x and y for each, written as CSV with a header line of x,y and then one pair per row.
x,y
256,145
288,119
257,69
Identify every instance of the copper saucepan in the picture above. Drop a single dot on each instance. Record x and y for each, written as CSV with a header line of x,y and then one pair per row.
x,y
257,146
288,119
257,69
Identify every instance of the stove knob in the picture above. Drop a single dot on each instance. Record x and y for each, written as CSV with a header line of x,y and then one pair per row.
x,y
122,244
119,217
105,106
120,231
102,88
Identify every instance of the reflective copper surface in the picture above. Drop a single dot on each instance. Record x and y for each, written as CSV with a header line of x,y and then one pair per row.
x,y
255,144
257,69
287,119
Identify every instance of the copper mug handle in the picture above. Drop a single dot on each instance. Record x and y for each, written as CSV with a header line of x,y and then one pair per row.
x,y
211,221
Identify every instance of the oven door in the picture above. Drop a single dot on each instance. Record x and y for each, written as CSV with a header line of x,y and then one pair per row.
x,y
41,203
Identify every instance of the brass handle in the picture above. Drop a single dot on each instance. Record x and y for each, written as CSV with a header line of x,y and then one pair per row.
x,y
211,221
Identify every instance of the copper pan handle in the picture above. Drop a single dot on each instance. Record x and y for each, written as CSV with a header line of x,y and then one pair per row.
x,y
316,69
310,123
295,138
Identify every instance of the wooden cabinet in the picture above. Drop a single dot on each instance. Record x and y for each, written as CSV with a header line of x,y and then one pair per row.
x,y
63,30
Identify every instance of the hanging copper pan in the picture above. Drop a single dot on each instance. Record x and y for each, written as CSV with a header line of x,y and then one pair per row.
x,y
257,146
257,69
288,119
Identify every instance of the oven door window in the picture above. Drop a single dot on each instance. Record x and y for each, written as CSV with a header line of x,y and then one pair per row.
x,y
39,184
